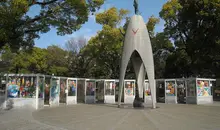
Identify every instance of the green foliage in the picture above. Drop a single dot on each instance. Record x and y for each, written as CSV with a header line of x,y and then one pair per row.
x,y
52,60
106,49
111,17
103,51
177,65
162,48
191,25
152,21
161,41
56,60
19,30
30,62
194,27
6,57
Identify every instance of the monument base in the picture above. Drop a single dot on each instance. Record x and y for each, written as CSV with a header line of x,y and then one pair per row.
x,y
138,103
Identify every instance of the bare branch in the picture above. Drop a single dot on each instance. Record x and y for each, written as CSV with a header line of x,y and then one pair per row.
x,y
123,34
34,2
32,30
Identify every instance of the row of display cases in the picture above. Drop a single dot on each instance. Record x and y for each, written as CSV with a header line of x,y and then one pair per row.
x,y
35,90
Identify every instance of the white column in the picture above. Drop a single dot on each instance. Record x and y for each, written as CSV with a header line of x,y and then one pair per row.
x,y
66,90
37,91
6,92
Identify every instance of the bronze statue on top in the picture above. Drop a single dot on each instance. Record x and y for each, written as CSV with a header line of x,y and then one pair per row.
x,y
136,7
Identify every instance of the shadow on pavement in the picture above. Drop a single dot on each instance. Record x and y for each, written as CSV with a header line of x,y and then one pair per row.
x,y
123,106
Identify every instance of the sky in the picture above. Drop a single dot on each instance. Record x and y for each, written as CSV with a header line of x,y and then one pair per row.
x,y
147,8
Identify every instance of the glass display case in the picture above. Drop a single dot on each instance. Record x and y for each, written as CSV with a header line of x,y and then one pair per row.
x,y
160,90
181,91
47,84
63,88
81,90
90,91
24,90
100,91
147,93
71,91
170,90
55,91
110,91
129,91
191,91
204,90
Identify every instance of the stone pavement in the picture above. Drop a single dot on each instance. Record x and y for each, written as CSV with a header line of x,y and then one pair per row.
x,y
21,119
109,117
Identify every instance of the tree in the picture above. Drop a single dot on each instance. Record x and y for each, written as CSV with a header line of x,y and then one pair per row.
x,y
161,46
177,65
194,26
77,63
111,17
75,44
6,58
52,60
104,50
152,21
30,62
18,29
57,61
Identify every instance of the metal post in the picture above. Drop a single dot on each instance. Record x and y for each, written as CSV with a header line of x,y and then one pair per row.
x,y
0,79
44,78
134,88
67,88
6,92
76,90
104,90
85,88
114,89
165,89
95,93
186,88
196,94
37,90
58,85
123,89
50,89
175,91
155,94
210,88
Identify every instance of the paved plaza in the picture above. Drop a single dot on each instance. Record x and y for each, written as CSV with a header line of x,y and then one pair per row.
x,y
109,117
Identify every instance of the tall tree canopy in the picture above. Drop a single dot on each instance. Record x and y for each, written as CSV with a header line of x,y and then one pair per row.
x,y
77,63
105,48
56,60
194,26
18,29
111,17
30,62
161,46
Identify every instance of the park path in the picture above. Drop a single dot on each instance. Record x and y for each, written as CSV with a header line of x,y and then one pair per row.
x,y
21,119
109,117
